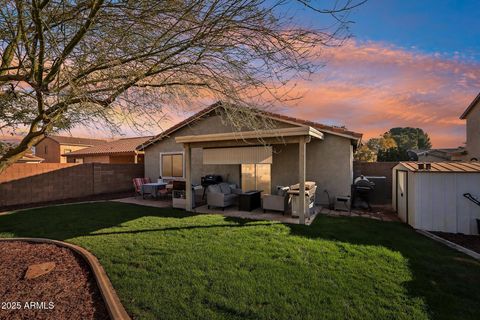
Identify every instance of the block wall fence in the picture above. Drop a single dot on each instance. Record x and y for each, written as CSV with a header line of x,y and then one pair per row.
x,y
27,183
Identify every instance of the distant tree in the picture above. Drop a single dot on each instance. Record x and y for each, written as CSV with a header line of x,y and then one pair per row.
x,y
365,154
392,154
374,146
410,138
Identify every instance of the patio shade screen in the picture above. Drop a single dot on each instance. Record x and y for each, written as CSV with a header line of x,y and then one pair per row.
x,y
241,155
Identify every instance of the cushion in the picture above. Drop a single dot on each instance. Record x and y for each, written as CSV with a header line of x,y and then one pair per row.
x,y
282,191
230,196
225,188
214,188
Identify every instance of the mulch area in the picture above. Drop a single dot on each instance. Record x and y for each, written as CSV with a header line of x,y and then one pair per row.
x,y
471,242
69,288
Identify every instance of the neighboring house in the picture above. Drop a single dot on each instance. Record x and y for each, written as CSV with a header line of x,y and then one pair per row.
x,y
433,155
207,144
30,158
472,115
52,148
117,151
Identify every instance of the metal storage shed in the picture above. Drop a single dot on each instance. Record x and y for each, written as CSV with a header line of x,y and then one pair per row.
x,y
430,196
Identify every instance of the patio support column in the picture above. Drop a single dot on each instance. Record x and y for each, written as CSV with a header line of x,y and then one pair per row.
x,y
302,146
188,177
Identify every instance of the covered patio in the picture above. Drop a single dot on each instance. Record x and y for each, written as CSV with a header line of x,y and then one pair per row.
x,y
250,147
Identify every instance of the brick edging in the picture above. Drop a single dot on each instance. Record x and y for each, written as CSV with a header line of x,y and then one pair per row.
x,y
450,244
112,302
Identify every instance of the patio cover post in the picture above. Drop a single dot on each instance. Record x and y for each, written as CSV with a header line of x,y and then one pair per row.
x,y
188,177
302,146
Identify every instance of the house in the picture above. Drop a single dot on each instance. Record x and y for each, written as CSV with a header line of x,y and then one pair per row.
x,y
445,154
438,196
291,151
30,158
117,151
472,115
52,148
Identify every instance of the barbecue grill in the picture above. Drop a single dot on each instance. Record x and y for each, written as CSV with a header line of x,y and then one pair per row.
x,y
362,190
208,180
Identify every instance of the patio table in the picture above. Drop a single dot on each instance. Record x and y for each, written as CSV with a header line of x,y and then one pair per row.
x,y
154,186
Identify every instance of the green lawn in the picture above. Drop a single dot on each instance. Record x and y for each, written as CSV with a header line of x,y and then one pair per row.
x,y
168,264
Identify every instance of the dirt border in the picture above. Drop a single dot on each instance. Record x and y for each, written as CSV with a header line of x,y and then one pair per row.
x,y
114,306
450,244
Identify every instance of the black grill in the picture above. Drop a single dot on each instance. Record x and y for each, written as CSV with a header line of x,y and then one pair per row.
x,y
208,180
362,190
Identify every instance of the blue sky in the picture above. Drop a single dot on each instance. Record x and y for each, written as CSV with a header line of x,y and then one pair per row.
x,y
445,26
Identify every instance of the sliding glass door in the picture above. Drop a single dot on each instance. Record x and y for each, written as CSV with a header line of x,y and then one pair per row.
x,y
256,177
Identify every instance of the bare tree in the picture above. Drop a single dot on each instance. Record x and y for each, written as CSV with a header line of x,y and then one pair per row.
x,y
65,63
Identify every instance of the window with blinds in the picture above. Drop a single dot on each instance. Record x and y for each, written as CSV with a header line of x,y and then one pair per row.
x,y
172,165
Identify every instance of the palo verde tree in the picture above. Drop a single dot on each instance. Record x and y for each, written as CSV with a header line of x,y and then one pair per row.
x,y
71,62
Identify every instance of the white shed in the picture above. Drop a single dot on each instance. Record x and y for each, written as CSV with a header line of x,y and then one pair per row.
x,y
432,196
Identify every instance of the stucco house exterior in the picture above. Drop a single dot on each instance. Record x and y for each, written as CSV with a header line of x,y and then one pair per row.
x,y
472,115
52,148
116,151
291,151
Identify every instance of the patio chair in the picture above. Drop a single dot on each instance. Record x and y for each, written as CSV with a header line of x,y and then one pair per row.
x,y
138,183
277,202
221,195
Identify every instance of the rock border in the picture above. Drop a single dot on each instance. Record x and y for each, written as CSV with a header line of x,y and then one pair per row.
x,y
115,308
450,244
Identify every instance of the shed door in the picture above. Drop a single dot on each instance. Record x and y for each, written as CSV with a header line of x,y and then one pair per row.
x,y
402,195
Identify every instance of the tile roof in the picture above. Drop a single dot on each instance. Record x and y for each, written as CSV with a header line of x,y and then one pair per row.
x,y
125,145
28,157
202,113
444,166
76,141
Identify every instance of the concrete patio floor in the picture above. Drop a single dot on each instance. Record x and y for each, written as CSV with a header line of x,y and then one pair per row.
x,y
232,211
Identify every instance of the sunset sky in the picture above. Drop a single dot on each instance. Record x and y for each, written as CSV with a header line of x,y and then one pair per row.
x,y
410,63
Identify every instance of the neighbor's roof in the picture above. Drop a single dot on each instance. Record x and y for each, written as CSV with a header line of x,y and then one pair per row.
x,y
321,127
76,141
470,107
125,145
444,166
28,157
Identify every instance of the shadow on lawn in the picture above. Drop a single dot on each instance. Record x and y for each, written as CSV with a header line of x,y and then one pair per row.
x,y
448,281
81,220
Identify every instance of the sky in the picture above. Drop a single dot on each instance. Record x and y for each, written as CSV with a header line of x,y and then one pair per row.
x,y
409,63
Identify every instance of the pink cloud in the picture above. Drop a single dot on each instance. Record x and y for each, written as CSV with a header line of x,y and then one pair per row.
x,y
371,87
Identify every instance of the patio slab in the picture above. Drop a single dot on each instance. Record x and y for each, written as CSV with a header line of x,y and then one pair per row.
x,y
256,214
146,202
232,211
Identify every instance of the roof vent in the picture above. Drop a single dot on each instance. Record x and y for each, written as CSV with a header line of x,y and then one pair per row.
x,y
421,166
428,166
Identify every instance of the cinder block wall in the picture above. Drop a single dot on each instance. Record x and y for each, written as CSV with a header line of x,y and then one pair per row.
x,y
26,183
382,169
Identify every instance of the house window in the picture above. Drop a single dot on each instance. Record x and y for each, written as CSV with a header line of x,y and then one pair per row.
x,y
256,177
78,160
171,165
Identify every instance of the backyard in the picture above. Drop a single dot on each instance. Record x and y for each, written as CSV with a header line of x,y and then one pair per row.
x,y
168,264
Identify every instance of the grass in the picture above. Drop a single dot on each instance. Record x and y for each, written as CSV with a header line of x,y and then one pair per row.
x,y
168,264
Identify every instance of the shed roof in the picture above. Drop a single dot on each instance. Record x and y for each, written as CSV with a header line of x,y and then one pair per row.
x,y
125,145
444,166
